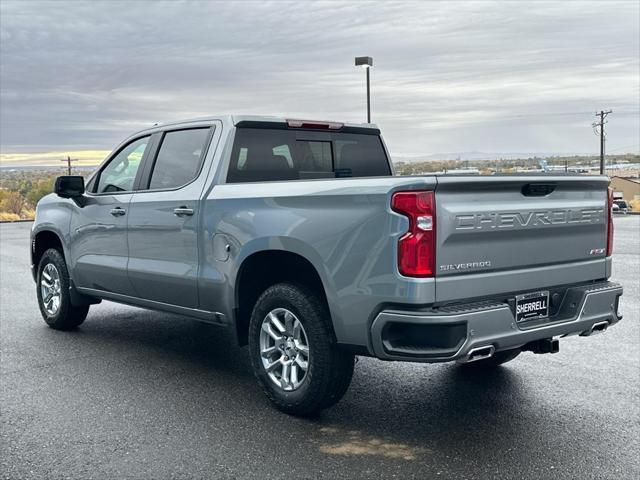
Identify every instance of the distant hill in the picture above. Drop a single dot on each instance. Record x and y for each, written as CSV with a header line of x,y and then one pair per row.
x,y
479,156
628,162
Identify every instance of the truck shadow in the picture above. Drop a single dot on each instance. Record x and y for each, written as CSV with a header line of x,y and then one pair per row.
x,y
404,412
177,338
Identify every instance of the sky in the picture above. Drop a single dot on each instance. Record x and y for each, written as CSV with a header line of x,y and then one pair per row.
x,y
471,76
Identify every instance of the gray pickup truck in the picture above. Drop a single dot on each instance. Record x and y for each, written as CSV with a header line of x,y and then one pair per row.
x,y
297,237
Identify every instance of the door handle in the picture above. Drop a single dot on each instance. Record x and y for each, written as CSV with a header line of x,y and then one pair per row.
x,y
117,212
183,211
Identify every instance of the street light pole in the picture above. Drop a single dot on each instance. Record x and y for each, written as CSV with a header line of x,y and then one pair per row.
x,y
368,98
367,63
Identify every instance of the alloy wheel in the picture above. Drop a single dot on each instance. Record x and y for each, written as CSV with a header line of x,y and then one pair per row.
x,y
284,349
50,289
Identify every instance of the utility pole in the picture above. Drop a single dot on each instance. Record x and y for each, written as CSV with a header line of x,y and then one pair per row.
x,y
69,160
599,130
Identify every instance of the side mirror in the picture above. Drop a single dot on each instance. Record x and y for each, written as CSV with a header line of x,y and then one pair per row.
x,y
69,186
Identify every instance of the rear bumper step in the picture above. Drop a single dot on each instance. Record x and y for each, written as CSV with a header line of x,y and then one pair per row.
x,y
478,330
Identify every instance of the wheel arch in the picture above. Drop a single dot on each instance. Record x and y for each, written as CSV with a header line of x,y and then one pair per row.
x,y
43,240
263,268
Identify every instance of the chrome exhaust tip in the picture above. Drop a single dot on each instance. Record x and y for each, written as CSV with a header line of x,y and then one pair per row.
x,y
480,353
596,328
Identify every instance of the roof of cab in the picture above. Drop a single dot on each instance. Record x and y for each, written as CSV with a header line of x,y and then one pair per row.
x,y
272,119
257,119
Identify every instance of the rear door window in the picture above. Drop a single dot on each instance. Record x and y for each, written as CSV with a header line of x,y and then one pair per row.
x,y
179,158
260,155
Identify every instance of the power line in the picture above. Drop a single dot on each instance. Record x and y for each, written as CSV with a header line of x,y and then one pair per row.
x,y
599,129
625,147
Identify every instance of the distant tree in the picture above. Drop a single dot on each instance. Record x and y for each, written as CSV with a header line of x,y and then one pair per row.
x,y
38,190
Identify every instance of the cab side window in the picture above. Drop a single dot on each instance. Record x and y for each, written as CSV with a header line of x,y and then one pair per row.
x,y
120,173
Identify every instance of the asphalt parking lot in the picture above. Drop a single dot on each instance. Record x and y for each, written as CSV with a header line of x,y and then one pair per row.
x,y
146,395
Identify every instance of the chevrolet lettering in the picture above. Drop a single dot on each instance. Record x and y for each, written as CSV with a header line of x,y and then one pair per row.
x,y
506,220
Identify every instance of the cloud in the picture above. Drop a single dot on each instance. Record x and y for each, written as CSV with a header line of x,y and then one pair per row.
x,y
447,76
80,158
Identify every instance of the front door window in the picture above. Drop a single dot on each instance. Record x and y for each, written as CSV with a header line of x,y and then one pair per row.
x,y
120,174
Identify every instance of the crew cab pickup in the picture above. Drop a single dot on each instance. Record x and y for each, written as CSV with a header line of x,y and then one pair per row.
x,y
297,236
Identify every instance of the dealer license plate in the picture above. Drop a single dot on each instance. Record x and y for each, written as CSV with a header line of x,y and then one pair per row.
x,y
532,305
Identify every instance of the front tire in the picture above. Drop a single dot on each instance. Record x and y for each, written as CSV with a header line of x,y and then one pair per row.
x,y
293,351
54,299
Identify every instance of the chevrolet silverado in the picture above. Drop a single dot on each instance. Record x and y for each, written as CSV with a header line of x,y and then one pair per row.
x,y
297,237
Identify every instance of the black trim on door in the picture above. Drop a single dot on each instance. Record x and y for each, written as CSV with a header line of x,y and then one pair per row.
x,y
148,161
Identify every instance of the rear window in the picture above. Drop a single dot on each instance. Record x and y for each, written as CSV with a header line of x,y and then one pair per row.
x,y
179,158
261,155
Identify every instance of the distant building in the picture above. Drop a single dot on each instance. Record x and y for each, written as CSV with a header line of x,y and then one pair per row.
x,y
627,188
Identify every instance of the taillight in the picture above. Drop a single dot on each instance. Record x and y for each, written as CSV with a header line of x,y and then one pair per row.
x,y
417,247
610,222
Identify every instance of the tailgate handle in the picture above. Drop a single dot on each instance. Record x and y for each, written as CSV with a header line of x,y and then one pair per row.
x,y
538,189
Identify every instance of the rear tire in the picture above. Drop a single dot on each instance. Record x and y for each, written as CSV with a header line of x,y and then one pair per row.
x,y
496,360
54,299
289,330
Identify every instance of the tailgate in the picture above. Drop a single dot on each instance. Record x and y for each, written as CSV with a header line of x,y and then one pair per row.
x,y
518,233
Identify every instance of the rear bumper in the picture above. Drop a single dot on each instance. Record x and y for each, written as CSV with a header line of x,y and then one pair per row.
x,y
450,333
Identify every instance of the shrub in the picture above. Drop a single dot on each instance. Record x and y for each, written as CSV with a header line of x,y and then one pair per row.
x,y
8,217
12,202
